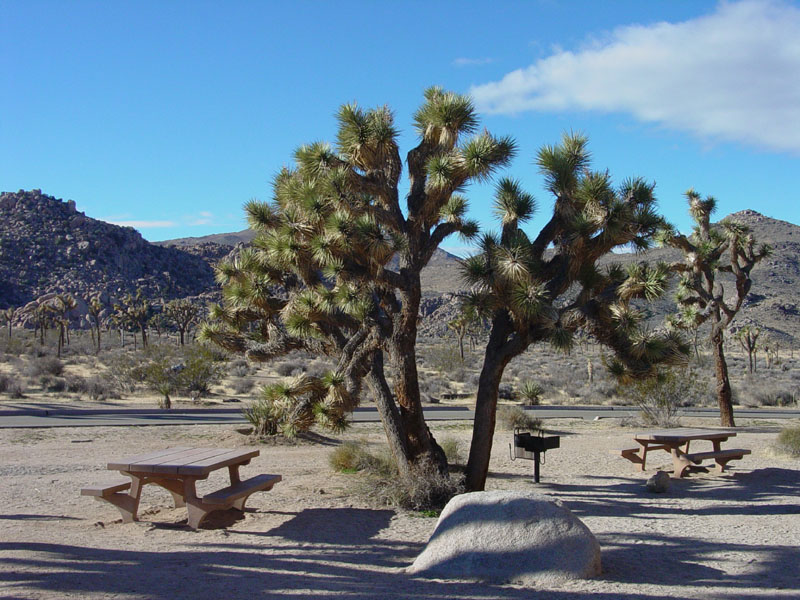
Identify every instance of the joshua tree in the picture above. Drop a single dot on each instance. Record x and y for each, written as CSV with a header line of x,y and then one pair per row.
x,y
711,254
96,308
7,316
182,313
550,287
133,311
747,337
61,305
39,312
317,277
466,321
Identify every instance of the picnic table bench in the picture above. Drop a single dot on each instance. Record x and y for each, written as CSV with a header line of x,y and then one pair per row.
x,y
676,442
177,470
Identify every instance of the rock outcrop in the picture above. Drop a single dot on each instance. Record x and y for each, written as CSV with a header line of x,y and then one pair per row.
x,y
46,246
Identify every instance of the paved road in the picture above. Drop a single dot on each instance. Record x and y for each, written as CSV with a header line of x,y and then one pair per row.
x,y
58,416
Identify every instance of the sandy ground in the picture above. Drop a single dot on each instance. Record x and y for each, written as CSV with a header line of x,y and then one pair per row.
x,y
731,536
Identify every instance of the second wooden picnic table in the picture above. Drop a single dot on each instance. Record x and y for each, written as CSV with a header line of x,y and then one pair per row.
x,y
676,442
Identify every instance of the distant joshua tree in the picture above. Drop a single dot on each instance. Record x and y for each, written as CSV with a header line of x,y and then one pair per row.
x,y
710,254
61,305
747,337
96,309
133,312
7,316
182,313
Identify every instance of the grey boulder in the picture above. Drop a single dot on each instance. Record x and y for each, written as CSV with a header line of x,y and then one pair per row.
x,y
504,536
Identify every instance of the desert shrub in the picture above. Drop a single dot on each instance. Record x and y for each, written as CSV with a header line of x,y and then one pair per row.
x,y
789,441
757,391
318,368
505,392
125,369
659,397
285,369
242,386
16,346
239,368
13,387
444,358
424,489
432,387
452,450
100,389
75,384
350,457
200,371
5,382
774,395
45,365
53,385
531,393
458,375
514,417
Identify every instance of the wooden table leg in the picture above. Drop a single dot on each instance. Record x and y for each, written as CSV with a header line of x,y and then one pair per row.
x,y
194,505
679,463
127,503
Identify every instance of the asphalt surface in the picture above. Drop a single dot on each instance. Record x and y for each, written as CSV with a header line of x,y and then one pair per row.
x,y
18,416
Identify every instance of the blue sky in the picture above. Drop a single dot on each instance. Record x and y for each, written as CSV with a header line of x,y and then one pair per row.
x,y
168,116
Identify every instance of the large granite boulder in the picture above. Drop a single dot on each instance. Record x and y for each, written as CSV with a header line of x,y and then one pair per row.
x,y
504,536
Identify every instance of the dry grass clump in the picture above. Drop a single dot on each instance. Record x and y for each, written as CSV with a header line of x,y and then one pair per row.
x,y
12,386
789,441
426,489
760,390
514,417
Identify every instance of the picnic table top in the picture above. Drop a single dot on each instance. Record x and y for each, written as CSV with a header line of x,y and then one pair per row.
x,y
684,433
183,461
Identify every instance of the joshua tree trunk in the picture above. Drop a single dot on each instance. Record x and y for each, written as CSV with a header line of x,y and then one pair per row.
x,y
724,396
499,353
389,414
421,443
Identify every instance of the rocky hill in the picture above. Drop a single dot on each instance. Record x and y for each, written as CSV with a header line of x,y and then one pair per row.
x,y
46,245
773,303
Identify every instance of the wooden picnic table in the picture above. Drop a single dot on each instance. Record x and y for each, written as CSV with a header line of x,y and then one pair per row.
x,y
177,470
676,442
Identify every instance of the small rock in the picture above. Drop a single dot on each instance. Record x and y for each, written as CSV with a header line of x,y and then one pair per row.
x,y
658,483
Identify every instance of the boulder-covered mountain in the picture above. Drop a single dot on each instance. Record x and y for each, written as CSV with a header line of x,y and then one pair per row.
x,y
46,246
773,304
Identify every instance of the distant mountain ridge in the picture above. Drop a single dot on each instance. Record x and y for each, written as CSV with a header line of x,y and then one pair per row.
x,y
46,245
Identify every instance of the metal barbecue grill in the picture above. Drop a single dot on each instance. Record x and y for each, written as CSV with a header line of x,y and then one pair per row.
x,y
532,446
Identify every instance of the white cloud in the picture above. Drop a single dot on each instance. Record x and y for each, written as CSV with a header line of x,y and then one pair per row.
x,y
142,224
732,75
472,62
204,217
